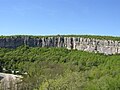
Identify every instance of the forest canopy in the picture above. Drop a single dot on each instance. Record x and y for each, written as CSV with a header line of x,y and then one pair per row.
x,y
62,69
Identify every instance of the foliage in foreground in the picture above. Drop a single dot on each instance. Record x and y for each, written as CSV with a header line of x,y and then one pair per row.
x,y
62,69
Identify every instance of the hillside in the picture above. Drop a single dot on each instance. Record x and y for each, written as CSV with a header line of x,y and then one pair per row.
x,y
62,69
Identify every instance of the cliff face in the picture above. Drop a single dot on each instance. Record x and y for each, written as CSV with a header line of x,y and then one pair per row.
x,y
86,44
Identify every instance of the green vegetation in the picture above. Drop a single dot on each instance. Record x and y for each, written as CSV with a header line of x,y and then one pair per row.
x,y
62,69
84,36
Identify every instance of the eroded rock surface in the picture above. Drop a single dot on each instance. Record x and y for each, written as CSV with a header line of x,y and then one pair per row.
x,y
9,81
86,44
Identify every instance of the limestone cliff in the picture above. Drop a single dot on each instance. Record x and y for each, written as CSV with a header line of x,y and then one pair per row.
x,y
86,44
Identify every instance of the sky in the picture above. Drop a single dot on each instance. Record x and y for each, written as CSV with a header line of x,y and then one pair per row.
x,y
53,17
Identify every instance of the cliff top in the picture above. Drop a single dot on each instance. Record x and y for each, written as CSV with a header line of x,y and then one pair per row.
x,y
114,38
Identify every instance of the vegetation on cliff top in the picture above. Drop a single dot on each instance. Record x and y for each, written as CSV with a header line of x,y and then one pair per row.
x,y
84,36
62,69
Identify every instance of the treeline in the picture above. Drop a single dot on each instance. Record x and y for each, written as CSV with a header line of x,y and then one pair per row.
x,y
62,69
84,36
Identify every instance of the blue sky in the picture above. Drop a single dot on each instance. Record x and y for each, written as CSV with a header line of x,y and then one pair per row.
x,y
48,17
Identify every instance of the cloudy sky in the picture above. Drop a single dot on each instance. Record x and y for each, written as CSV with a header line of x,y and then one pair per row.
x,y
48,17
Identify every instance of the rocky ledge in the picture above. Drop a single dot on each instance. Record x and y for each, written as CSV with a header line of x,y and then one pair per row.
x,y
107,47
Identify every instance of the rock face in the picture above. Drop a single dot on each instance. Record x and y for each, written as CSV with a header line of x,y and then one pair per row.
x,y
107,47
10,81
